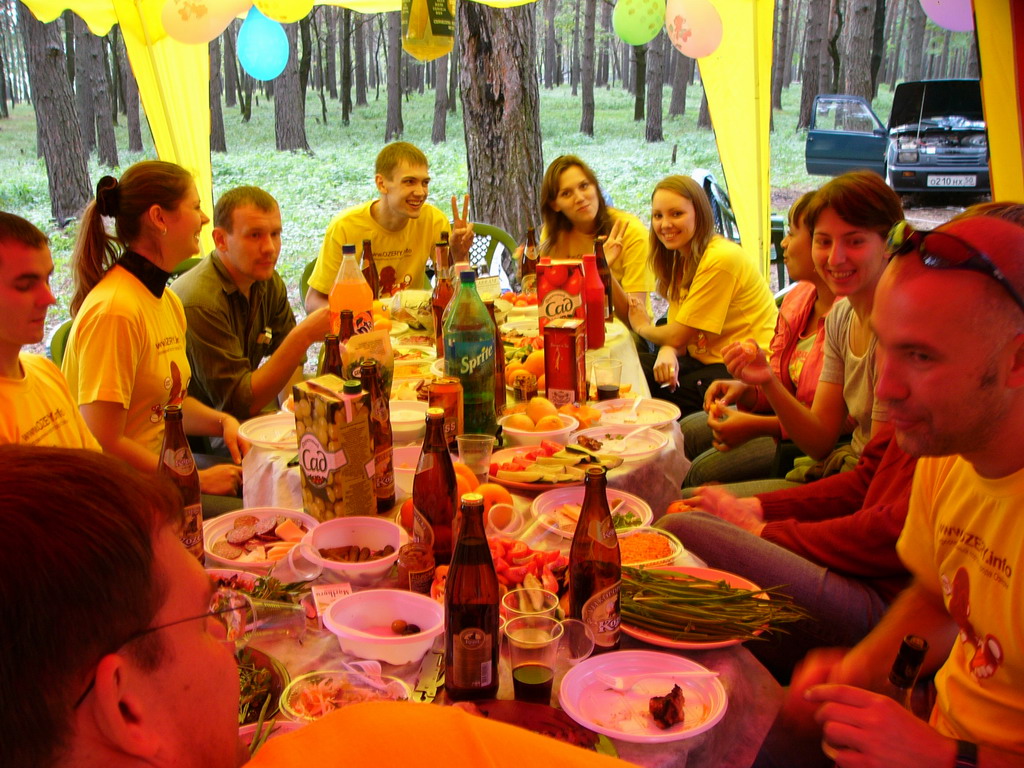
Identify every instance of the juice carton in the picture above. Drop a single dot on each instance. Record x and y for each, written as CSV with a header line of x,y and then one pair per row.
x,y
560,290
335,450
565,350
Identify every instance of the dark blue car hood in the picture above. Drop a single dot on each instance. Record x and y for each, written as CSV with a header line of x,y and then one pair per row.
x,y
930,99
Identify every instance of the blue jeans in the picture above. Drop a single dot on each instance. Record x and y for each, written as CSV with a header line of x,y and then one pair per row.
x,y
844,608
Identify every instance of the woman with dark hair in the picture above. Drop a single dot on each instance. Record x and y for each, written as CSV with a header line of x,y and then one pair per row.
x,y
729,444
716,296
574,212
125,356
850,218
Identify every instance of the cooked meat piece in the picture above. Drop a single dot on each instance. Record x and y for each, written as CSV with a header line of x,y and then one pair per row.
x,y
668,710
589,443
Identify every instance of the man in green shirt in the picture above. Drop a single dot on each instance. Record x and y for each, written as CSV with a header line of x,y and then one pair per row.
x,y
237,309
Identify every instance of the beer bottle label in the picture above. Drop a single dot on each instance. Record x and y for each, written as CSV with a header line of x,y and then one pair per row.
x,y
179,461
192,529
471,662
421,528
601,614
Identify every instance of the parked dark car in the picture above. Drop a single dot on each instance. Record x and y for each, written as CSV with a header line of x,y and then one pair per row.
x,y
935,139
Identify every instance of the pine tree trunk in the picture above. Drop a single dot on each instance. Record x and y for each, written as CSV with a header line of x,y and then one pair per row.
x,y
655,81
681,78
60,141
453,74
604,57
782,52
131,98
106,144
813,58
359,46
3,85
704,116
550,44
346,67
218,142
394,127
877,45
289,100
331,50
574,62
84,98
859,29
640,81
437,133
914,36
69,44
587,67
501,114
230,67
374,36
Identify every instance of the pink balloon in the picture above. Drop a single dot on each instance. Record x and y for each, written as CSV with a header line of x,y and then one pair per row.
x,y
694,27
954,15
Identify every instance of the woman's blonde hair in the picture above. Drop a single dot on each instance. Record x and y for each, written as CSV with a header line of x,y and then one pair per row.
x,y
673,273
143,185
555,222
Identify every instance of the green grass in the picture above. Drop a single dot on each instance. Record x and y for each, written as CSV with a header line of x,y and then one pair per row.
x,y
312,189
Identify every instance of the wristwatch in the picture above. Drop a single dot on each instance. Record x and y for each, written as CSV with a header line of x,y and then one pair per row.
x,y
966,755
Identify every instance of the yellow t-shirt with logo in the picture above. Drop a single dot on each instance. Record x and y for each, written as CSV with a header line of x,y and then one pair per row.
x,y
401,256
37,409
962,540
727,301
127,346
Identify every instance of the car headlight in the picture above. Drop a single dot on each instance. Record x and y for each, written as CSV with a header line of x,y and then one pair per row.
x,y
907,157
978,140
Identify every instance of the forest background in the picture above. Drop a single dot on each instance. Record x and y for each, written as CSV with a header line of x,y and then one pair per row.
x,y
69,108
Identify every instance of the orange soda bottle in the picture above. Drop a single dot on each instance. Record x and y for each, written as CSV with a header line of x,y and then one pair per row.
x,y
351,291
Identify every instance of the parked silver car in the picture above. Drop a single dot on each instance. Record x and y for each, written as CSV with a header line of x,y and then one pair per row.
x,y
935,139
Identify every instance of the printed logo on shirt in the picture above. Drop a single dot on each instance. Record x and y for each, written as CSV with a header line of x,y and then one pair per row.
x,y
984,653
45,425
990,563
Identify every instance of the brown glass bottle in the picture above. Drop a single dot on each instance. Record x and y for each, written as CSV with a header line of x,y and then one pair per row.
x,y
905,669
370,269
177,464
499,362
471,611
331,362
595,567
347,325
444,289
434,491
380,433
606,279
528,264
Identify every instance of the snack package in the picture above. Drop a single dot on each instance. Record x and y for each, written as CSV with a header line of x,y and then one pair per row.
x,y
375,345
560,290
413,307
335,450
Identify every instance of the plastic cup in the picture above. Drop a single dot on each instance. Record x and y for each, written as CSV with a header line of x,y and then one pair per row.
x,y
577,644
475,453
533,643
607,374
529,601
270,619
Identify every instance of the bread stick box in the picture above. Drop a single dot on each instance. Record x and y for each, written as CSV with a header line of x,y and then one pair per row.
x,y
335,450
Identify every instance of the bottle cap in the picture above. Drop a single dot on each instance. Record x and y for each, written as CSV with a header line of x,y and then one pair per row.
x,y
353,387
435,413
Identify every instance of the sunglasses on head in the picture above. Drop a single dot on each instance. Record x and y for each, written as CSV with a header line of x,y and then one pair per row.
x,y
942,250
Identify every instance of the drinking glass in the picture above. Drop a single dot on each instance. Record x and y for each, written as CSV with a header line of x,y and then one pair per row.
x,y
533,643
475,453
529,601
607,374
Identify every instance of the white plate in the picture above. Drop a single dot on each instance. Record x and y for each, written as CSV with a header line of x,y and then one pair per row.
x,y
409,353
636,448
521,327
651,411
398,328
217,528
275,431
544,505
624,714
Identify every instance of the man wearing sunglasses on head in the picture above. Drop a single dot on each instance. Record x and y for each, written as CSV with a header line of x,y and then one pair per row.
x,y
118,652
949,317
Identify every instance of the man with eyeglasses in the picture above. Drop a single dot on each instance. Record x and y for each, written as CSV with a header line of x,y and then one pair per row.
x,y
949,318
117,651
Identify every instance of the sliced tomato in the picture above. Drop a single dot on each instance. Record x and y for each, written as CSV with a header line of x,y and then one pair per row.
x,y
550,447
533,453
493,470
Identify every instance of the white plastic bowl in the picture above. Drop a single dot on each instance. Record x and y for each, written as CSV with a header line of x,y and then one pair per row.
x,y
362,623
405,461
408,421
674,545
217,528
516,437
373,532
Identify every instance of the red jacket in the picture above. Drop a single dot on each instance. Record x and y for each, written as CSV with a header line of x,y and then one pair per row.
x,y
849,522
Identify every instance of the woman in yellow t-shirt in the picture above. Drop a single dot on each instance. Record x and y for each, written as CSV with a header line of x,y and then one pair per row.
x,y
715,292
575,213
126,357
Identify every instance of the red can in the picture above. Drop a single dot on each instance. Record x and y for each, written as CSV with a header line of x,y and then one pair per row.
x,y
565,366
446,393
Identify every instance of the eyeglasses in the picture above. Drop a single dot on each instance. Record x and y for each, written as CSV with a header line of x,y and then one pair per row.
x,y
229,614
942,250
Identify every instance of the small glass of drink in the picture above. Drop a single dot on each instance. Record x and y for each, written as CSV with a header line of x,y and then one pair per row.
x,y
475,453
607,374
533,648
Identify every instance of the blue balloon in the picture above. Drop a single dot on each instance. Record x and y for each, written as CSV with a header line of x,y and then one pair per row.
x,y
262,46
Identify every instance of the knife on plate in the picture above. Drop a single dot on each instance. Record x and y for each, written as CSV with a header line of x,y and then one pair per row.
x,y
431,674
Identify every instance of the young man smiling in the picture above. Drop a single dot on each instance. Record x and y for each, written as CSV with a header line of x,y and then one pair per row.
x,y
401,226
949,317
238,313
35,405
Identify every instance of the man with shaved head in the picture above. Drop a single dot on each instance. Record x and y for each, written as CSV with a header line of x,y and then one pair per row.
x,y
949,316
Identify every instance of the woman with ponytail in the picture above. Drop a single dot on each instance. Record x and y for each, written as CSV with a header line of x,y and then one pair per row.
x,y
125,357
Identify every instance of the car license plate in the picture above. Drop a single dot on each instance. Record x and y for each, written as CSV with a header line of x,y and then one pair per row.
x,y
952,181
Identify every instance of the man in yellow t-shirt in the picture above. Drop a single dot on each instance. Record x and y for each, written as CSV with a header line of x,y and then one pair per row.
x,y
35,405
949,317
401,225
